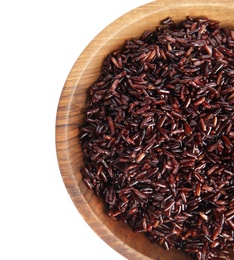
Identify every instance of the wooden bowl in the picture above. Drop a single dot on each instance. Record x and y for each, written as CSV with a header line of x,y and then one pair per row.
x,y
73,102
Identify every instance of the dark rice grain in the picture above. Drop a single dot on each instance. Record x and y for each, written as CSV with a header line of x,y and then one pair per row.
x,y
159,136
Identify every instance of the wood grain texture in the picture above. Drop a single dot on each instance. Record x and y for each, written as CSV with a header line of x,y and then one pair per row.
x,y
73,102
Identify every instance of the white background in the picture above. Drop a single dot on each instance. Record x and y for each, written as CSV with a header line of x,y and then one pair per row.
x,y
39,43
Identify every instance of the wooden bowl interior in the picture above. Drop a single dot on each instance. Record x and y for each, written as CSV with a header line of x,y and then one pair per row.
x,y
73,103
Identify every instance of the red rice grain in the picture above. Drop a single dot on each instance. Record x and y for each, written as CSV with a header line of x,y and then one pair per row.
x,y
159,136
